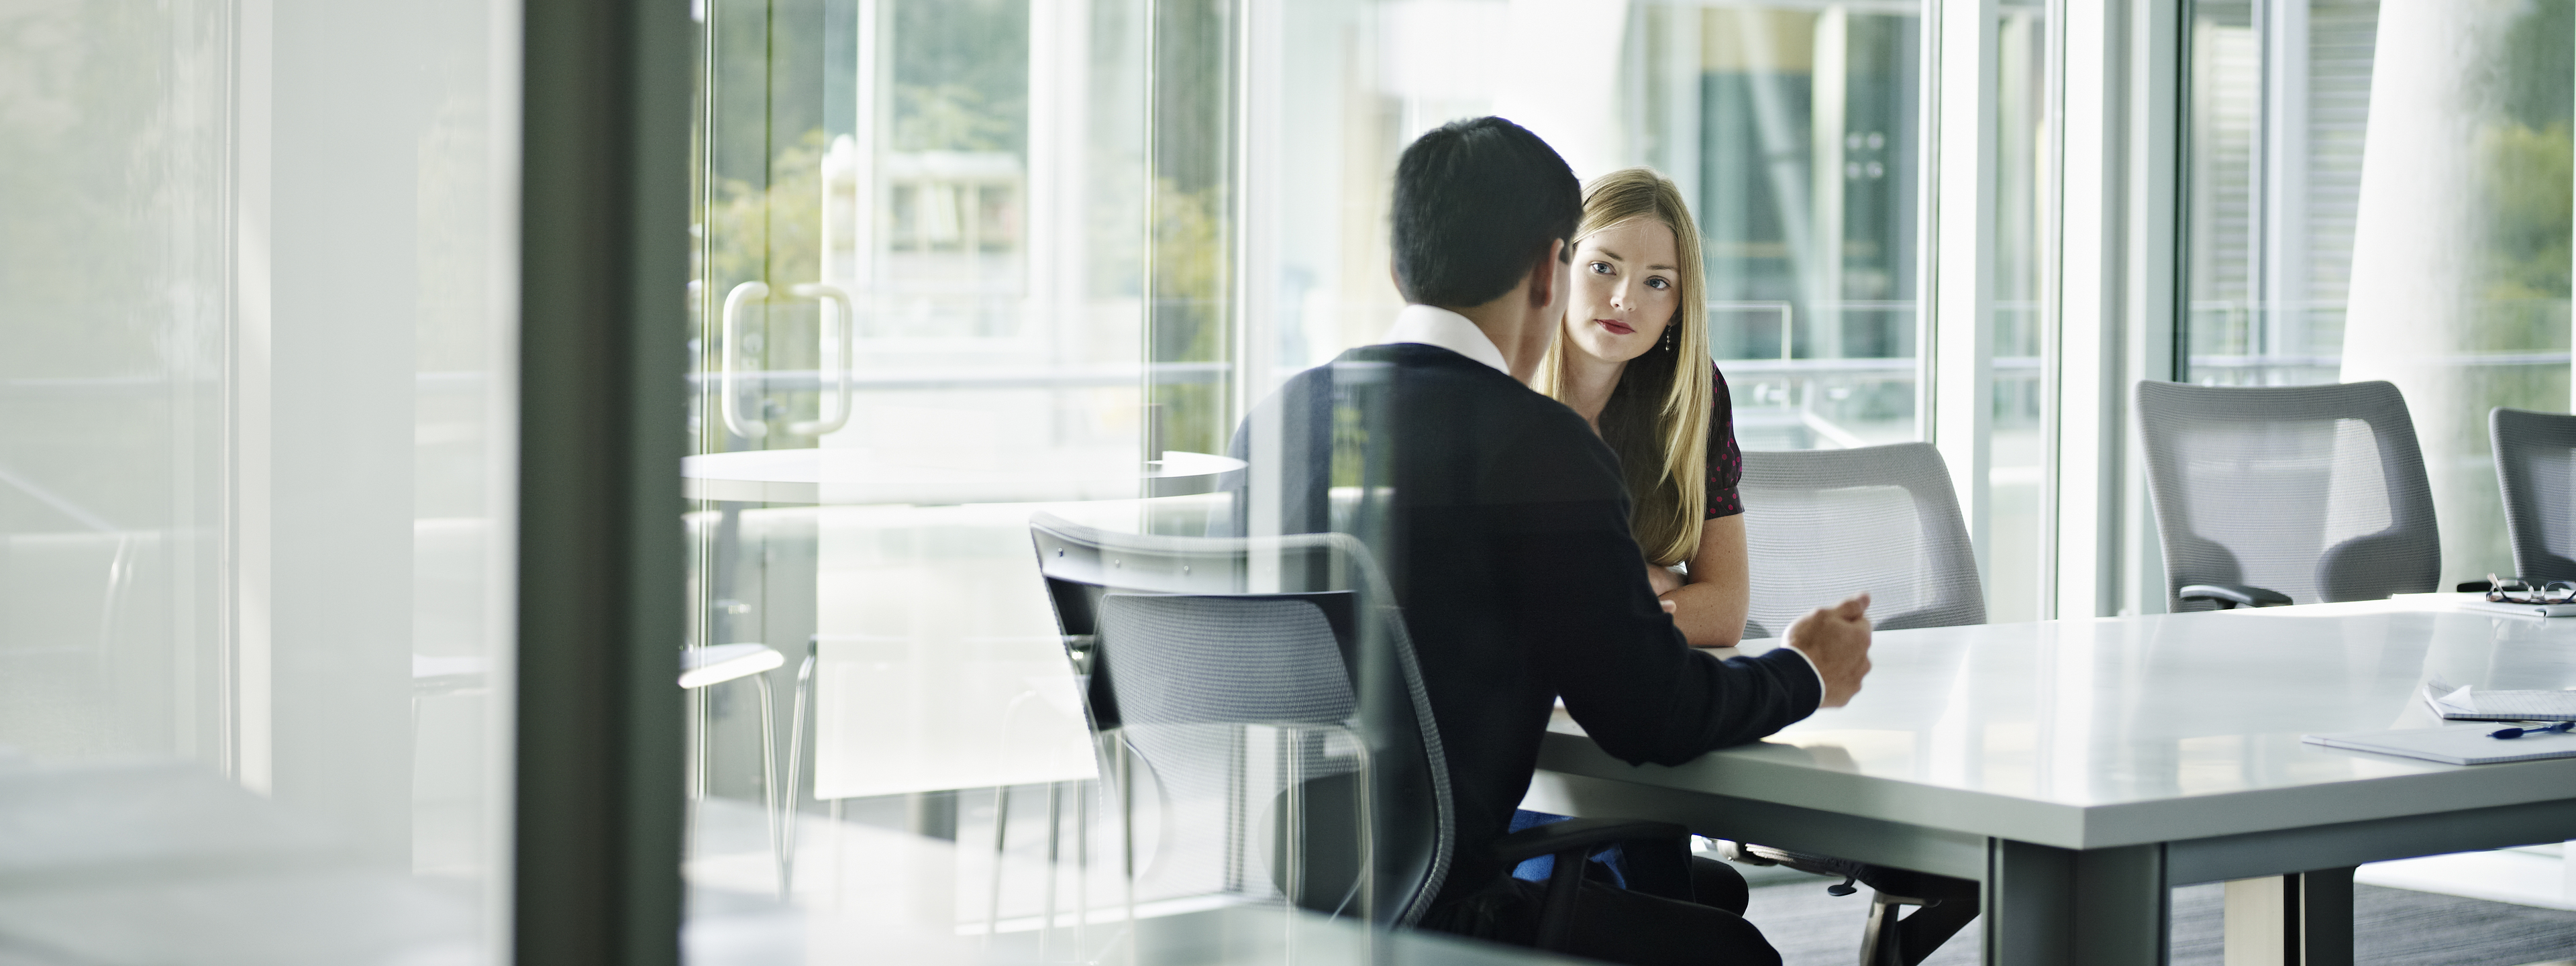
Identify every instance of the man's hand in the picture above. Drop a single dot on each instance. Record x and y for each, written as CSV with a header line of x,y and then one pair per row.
x,y
1836,640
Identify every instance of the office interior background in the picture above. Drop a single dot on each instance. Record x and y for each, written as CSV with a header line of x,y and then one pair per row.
x,y
275,296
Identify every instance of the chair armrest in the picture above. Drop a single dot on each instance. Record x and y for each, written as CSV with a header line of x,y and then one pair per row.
x,y
2231,596
1583,834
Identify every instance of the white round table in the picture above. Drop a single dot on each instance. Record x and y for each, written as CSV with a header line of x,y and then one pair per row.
x,y
859,476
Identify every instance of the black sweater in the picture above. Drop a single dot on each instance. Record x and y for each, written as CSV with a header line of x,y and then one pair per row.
x,y
1506,539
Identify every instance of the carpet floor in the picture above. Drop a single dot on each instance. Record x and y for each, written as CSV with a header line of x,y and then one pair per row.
x,y
2391,927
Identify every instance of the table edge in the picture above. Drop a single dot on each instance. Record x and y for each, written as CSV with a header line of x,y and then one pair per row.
x,y
2079,826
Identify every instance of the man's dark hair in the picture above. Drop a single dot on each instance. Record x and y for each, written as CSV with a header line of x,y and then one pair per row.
x,y
1476,202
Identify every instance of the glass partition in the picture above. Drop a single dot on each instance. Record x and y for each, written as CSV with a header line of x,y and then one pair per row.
x,y
2021,492
2379,191
1793,130
959,264
1800,126
256,481
920,291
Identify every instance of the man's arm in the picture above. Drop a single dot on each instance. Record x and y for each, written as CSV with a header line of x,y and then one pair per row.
x,y
1601,639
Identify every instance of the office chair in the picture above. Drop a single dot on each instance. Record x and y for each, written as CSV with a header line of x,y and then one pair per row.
x,y
1821,525
1251,663
2535,461
2275,495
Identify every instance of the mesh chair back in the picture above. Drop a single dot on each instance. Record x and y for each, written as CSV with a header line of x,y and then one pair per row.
x,y
1249,659
1224,691
2317,492
2535,456
1821,525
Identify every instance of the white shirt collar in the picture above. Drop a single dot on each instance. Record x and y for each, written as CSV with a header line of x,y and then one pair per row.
x,y
1449,330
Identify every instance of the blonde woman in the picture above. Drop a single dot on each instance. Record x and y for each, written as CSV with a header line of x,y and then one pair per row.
x,y
1632,358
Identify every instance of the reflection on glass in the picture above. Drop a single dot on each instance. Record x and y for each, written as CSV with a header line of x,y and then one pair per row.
x,y
2378,190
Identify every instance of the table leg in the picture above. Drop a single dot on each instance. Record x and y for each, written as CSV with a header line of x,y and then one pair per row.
x,y
2290,920
2325,917
2048,906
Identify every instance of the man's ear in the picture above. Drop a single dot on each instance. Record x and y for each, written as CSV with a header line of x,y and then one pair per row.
x,y
1544,275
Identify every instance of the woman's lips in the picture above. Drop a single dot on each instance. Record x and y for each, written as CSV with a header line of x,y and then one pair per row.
x,y
1615,326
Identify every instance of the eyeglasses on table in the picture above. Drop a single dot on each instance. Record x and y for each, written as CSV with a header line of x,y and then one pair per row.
x,y
2516,590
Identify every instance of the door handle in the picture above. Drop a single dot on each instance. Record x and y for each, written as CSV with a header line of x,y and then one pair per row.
x,y
731,403
843,312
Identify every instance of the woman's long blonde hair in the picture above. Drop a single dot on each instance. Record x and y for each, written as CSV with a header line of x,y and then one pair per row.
x,y
1657,417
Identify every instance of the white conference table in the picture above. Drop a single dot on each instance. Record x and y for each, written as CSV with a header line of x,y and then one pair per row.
x,y
2081,769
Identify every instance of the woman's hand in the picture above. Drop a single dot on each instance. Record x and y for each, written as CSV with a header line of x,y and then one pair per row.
x,y
1662,579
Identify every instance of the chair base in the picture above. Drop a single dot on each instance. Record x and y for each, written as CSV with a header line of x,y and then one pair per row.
x,y
1884,935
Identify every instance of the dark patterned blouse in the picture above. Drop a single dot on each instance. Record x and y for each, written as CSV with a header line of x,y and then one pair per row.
x,y
1725,460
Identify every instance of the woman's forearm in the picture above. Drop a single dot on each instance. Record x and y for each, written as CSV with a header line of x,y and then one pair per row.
x,y
1708,615
1711,604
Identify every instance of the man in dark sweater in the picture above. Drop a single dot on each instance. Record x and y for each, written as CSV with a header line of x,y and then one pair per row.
x,y
1503,523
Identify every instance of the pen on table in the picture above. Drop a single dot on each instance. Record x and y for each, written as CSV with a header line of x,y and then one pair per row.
x,y
2560,728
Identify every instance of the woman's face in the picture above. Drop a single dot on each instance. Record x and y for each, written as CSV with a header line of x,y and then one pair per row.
x,y
1627,288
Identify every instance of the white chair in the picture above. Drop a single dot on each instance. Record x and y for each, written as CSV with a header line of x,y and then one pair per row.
x,y
702,667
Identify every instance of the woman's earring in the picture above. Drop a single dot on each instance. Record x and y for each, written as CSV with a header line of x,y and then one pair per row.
x,y
1669,343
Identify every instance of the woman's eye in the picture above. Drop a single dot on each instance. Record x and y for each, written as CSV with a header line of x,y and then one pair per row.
x,y
1601,268
1658,283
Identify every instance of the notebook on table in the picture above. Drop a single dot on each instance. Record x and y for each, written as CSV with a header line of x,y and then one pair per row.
x,y
2486,704
2454,745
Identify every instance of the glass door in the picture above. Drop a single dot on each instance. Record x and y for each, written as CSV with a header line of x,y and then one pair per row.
x,y
919,301
770,342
